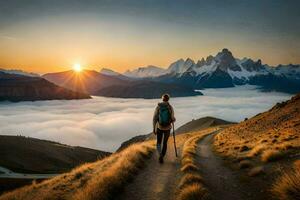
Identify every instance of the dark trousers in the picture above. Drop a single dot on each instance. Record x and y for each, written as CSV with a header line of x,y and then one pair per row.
x,y
162,135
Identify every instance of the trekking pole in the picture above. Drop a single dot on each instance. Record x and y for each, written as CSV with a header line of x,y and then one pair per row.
x,y
174,140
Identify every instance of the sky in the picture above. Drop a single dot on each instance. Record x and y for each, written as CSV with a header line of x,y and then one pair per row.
x,y
104,123
51,35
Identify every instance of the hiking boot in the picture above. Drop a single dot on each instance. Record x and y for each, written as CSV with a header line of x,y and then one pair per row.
x,y
161,160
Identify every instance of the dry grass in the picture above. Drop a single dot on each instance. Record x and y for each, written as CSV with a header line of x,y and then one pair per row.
x,y
194,191
255,171
287,187
256,150
189,167
99,180
271,155
266,137
190,178
191,186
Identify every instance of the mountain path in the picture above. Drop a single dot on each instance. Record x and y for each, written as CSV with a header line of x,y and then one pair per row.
x,y
222,182
157,181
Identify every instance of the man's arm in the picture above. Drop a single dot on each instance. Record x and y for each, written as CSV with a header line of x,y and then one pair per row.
x,y
155,118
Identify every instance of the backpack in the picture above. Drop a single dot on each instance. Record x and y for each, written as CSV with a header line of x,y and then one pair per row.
x,y
164,117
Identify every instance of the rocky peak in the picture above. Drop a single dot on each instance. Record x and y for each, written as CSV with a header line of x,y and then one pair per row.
x,y
201,62
225,60
209,59
189,61
225,57
251,66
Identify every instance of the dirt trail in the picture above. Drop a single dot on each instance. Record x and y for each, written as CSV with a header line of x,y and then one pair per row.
x,y
156,181
222,182
159,181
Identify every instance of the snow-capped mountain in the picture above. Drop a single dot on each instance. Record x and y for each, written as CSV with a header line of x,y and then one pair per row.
x,y
19,72
290,71
180,66
222,70
145,72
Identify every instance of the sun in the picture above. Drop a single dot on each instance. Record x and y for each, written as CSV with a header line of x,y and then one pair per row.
x,y
77,67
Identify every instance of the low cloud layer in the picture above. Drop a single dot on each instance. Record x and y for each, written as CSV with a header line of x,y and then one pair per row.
x,y
104,123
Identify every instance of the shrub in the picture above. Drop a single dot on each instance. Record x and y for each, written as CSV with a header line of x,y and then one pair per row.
x,y
190,178
287,187
193,192
190,167
255,171
245,164
244,148
256,150
271,155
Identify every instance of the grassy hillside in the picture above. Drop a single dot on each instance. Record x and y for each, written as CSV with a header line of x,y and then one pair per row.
x,y
252,145
99,180
201,123
269,145
30,155
267,136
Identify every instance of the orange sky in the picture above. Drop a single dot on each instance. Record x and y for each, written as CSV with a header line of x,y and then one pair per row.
x,y
48,37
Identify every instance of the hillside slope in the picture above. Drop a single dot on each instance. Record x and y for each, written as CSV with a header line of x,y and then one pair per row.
x,y
276,130
15,87
194,125
98,180
88,81
201,123
30,155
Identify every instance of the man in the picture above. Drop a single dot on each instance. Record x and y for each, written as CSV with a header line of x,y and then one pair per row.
x,y
162,125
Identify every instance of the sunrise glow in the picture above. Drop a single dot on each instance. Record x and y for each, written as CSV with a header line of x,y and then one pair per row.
x,y
77,67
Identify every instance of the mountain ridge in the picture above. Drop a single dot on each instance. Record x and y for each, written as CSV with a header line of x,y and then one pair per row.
x,y
16,87
224,70
182,78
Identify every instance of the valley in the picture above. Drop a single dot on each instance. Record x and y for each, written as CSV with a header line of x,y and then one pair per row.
x,y
204,167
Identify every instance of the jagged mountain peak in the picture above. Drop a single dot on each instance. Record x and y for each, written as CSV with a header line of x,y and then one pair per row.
x,y
225,56
201,62
189,60
225,61
180,66
224,70
209,59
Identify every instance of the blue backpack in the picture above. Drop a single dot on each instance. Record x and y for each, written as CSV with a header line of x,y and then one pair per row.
x,y
164,117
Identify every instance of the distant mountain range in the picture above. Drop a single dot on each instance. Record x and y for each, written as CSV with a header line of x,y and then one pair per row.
x,y
181,78
22,87
221,71
112,84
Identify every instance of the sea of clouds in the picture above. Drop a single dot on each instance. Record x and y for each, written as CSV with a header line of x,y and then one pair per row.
x,y
104,123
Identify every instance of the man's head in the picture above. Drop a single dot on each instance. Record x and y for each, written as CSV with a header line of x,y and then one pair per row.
x,y
165,97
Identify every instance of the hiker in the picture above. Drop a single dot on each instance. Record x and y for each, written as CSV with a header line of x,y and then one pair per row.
x,y
162,124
